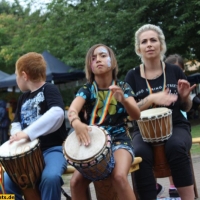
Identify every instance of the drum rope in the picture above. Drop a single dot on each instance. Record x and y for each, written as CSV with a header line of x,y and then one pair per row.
x,y
99,171
1,180
2,188
26,168
156,128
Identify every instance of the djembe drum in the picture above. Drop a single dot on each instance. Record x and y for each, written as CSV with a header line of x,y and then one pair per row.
x,y
24,163
95,162
156,127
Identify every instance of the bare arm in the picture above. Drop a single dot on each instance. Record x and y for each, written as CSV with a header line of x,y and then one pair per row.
x,y
184,90
160,98
80,128
144,103
74,109
128,103
186,104
131,107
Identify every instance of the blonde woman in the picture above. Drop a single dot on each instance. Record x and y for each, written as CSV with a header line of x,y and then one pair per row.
x,y
156,83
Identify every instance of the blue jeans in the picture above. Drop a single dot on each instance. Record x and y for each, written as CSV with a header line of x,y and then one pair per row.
x,y
122,146
51,178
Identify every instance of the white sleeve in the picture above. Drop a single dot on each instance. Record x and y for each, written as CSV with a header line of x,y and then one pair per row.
x,y
15,127
46,124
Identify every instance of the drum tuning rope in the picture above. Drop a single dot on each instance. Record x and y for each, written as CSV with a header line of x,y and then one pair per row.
x,y
24,165
1,180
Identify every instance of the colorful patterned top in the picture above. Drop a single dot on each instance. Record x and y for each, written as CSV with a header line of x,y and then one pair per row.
x,y
115,120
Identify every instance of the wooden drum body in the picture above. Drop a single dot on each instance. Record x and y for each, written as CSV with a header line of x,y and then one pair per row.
x,y
104,188
24,163
95,162
155,124
156,127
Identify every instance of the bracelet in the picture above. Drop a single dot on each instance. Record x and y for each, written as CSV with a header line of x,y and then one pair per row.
x,y
73,120
71,112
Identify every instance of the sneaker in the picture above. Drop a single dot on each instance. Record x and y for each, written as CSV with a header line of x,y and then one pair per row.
x,y
159,190
173,193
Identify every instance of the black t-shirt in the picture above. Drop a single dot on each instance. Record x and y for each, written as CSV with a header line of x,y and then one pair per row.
x,y
139,86
32,105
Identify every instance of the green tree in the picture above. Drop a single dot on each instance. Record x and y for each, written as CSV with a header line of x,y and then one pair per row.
x,y
68,30
87,23
7,27
19,34
5,7
179,21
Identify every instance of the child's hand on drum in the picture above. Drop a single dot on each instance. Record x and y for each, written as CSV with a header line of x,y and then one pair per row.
x,y
18,136
164,98
82,130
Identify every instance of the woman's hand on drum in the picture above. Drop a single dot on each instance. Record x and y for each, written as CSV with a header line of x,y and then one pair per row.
x,y
82,130
18,136
164,98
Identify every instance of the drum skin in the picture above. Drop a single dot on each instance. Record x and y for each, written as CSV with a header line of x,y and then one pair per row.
x,y
96,161
76,152
23,161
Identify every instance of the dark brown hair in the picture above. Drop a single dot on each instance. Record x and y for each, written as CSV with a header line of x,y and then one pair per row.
x,y
88,59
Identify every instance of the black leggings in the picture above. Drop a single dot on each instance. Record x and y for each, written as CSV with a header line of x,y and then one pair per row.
x,y
177,149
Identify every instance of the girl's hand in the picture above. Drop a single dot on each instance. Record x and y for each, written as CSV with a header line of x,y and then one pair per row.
x,y
82,130
117,93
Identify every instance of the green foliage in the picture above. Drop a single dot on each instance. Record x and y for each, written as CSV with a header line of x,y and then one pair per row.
x,y
68,30
67,95
195,149
7,24
195,133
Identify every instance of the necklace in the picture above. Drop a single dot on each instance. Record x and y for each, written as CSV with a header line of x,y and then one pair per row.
x,y
155,77
147,82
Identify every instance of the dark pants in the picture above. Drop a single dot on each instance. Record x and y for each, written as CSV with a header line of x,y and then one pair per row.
x,y
177,149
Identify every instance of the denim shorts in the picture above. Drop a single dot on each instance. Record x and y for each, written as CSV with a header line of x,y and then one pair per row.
x,y
123,146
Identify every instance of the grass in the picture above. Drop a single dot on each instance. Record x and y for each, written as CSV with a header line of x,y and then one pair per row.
x,y
195,150
196,131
